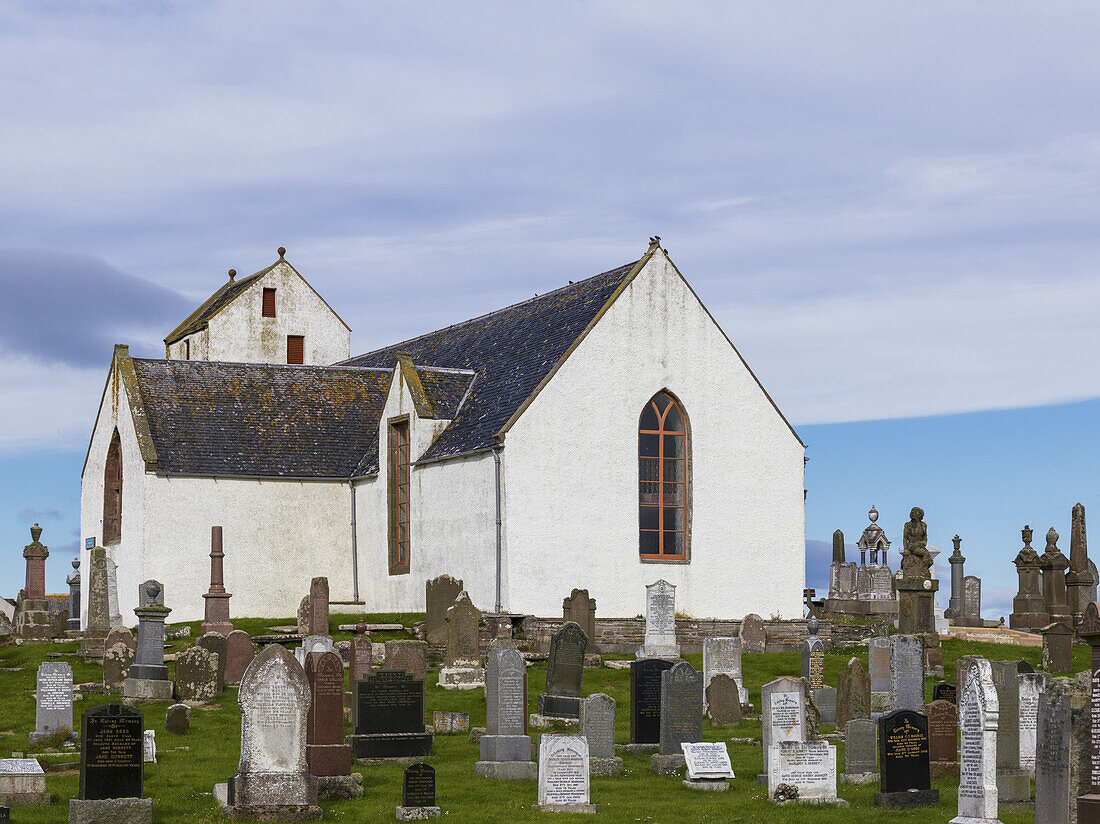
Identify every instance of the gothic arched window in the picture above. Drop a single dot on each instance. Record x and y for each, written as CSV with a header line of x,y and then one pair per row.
x,y
112,493
664,480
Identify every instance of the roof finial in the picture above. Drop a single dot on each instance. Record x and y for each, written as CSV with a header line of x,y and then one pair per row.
x,y
655,241
232,273
282,252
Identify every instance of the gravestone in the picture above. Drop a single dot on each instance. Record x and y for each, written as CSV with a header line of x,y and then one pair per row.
x,y
782,716
360,657
116,666
113,615
1062,751
73,580
810,766
581,610
978,763
943,732
215,642
972,601
445,722
564,672
906,779
32,619
149,747
303,616
723,655
462,670
53,704
853,694
708,765
177,719
660,622
505,748
1057,648
196,675
598,726
860,749
390,717
326,753
813,656
408,656
93,642
722,699
317,623
944,692
1032,685
216,598
439,594
681,715
1013,783
418,793
111,767
148,676
239,653
313,643
752,634
906,673
825,701
120,635
1088,804
22,782
878,668
645,700
272,779
563,773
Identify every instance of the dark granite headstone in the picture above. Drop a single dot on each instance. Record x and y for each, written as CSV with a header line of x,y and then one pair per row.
x,y
945,692
681,708
111,763
645,700
564,671
418,787
5,815
390,716
813,657
905,779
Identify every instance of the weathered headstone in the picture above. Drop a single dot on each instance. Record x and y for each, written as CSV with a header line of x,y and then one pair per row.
x,y
1032,685
53,705
120,635
660,622
809,766
408,656
598,726
326,753
972,600
505,741
177,719
446,722
272,778
723,655
645,700
148,676
853,694
439,594
943,731
1062,759
1079,580
722,699
581,610
197,675
1057,648
418,793
318,606
93,642
681,712
1013,783
782,715
860,748
360,657
390,717
978,764
22,782
878,667
903,762
239,653
215,642
752,633
112,592
1088,805
116,666
1053,564
216,598
463,669
303,616
149,747
906,673
813,656
563,773
564,672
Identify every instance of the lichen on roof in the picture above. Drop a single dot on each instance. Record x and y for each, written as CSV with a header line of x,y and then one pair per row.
x,y
226,294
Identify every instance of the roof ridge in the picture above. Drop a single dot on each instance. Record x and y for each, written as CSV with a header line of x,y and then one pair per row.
x,y
333,366
544,295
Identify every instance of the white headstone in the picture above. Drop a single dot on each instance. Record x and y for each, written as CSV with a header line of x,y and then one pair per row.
x,y
978,715
707,759
808,765
783,714
723,655
149,747
563,769
1031,685
660,622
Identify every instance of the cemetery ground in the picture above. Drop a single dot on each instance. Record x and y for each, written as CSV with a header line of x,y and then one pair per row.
x,y
182,781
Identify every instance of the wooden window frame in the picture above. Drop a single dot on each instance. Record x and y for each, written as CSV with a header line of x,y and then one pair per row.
x,y
398,476
301,338
187,349
659,501
112,493
266,305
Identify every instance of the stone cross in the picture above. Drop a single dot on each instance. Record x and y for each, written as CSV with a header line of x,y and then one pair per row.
x,y
217,599
978,714
439,594
581,610
1088,805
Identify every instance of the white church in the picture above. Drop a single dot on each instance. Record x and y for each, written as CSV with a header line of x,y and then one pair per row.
x,y
603,435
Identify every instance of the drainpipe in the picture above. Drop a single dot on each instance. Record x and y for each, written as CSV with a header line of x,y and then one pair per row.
x,y
354,548
496,467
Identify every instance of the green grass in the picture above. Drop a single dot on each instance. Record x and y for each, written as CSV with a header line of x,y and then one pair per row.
x,y
181,783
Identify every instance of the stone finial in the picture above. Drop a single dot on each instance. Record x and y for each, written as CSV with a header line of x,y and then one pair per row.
x,y
282,252
36,533
361,627
957,541
76,563
1026,534
872,514
813,625
1052,540
232,273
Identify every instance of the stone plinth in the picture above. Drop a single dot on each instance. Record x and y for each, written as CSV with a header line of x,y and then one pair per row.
x,y
114,810
916,605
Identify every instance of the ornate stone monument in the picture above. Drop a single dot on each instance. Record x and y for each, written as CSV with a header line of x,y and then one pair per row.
x,y
148,676
1053,565
862,590
73,580
956,559
660,622
1028,608
1079,580
32,619
915,586
217,599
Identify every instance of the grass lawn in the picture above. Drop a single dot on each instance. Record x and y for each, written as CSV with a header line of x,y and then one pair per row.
x,y
181,783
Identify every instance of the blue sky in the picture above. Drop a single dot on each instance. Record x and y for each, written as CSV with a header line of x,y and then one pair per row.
x,y
891,208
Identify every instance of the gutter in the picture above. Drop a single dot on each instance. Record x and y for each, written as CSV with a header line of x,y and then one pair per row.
x,y
354,548
496,467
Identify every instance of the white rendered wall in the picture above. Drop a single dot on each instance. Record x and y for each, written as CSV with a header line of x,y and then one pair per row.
x,y
239,333
571,470
114,411
453,515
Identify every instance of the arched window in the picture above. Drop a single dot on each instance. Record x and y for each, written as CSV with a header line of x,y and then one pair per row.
x,y
112,493
664,480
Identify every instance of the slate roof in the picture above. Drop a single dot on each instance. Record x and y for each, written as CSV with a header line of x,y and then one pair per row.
x,y
213,418
445,389
511,350
225,295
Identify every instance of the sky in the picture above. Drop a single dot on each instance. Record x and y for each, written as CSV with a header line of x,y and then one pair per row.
x,y
892,209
